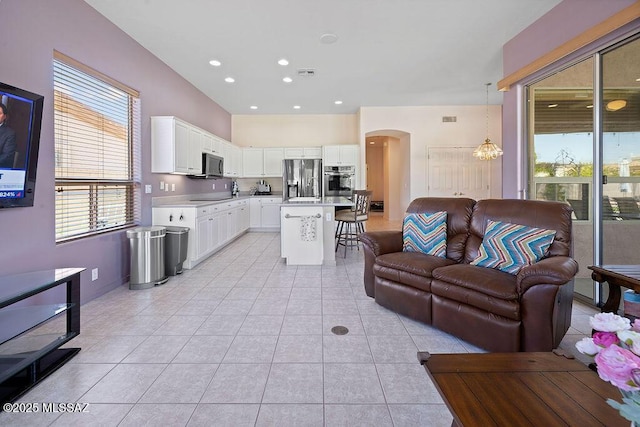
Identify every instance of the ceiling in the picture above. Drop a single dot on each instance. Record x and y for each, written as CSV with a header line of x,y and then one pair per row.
x,y
387,52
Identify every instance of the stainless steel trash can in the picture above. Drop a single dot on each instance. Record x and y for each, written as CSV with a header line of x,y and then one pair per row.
x,y
147,257
175,249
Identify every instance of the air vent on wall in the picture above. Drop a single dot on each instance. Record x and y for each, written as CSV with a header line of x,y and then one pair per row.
x,y
306,72
449,119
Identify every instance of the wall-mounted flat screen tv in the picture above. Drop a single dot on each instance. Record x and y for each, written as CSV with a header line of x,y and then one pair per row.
x,y
20,122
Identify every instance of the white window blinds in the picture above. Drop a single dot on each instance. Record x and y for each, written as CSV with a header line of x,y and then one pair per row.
x,y
97,144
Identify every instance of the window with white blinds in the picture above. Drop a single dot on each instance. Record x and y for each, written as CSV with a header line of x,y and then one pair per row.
x,y
97,145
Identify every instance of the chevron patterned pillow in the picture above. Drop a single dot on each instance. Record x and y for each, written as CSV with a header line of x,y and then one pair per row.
x,y
425,233
509,247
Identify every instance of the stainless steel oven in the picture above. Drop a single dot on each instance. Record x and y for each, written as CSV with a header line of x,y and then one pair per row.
x,y
339,180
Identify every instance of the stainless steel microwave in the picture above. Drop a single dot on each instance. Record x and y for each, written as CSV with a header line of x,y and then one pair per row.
x,y
212,166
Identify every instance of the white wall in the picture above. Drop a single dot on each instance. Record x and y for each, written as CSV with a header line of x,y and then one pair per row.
x,y
426,129
294,130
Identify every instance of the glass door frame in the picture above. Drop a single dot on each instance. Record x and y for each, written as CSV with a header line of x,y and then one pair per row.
x,y
524,146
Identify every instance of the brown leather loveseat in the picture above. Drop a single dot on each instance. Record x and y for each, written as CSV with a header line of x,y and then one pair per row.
x,y
490,308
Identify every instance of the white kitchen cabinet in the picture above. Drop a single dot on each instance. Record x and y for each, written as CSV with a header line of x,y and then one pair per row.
x,y
273,158
195,150
255,213
252,162
173,147
232,159
270,214
207,234
243,217
264,213
341,155
303,153
210,226
262,162
211,144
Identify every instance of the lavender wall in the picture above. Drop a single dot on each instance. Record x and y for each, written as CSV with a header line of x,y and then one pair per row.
x,y
29,32
567,20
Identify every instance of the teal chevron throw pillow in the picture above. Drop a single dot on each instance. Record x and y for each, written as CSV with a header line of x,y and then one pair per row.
x,y
509,247
425,233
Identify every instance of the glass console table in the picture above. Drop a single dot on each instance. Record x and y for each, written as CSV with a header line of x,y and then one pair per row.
x,y
39,312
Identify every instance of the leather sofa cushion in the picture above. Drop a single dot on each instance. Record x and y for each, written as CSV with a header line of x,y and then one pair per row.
x,y
488,281
484,288
532,213
409,268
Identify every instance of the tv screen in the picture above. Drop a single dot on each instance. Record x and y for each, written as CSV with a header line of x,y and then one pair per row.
x,y
20,121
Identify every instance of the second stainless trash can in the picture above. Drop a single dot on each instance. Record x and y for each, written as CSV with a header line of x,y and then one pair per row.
x,y
175,249
147,257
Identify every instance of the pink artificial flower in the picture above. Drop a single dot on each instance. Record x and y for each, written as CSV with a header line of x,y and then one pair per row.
x,y
605,339
636,325
615,364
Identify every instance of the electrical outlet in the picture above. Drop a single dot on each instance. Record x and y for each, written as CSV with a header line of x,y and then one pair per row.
x,y
94,274
173,187
166,187
162,185
213,186
225,186
147,189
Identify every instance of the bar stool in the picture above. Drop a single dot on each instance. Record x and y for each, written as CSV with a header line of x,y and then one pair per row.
x,y
351,222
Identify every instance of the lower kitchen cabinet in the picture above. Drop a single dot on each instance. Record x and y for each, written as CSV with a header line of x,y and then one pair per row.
x,y
265,213
210,226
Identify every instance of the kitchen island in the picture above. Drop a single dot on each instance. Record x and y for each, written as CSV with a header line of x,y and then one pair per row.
x,y
307,230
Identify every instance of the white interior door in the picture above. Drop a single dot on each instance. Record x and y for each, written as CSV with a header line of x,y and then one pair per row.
x,y
454,172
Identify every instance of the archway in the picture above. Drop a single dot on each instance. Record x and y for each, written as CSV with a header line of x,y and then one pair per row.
x,y
388,171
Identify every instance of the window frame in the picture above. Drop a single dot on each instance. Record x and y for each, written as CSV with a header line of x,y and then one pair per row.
x,y
101,205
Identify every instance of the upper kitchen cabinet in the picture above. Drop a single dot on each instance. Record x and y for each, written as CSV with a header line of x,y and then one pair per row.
x,y
262,162
211,144
176,146
232,156
303,153
340,155
273,158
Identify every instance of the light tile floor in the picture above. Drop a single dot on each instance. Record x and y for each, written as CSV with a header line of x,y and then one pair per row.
x,y
244,340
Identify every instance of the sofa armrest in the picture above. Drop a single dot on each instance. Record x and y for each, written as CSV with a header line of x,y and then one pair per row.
x,y
376,243
556,270
382,242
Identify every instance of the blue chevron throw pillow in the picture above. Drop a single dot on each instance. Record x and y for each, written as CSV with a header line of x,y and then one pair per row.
x,y
425,233
509,247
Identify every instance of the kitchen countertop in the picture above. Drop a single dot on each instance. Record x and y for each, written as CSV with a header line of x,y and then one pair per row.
x,y
323,201
195,201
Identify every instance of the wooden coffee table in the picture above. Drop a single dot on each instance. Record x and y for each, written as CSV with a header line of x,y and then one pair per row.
x,y
627,276
521,389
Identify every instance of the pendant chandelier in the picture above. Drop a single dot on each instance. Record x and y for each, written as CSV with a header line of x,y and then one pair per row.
x,y
487,150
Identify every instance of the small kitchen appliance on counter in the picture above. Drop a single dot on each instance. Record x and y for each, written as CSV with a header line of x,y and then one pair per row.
x,y
263,188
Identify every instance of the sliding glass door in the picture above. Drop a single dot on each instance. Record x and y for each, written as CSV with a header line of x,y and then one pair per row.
x,y
620,184
583,147
561,153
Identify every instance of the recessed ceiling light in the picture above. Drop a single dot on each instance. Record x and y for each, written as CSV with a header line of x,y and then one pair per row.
x,y
638,79
283,62
296,107
254,107
616,104
328,38
337,102
287,79
229,79
552,105
215,63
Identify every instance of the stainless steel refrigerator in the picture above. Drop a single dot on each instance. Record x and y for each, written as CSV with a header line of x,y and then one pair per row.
x,y
302,178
